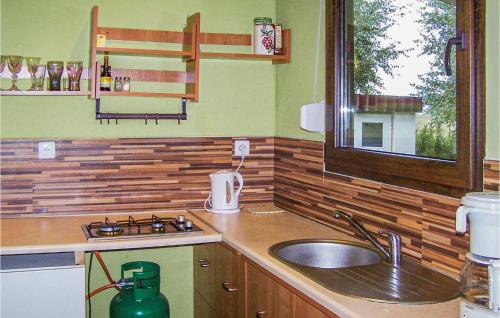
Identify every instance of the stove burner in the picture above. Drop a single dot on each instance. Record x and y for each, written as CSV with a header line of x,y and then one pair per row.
x,y
109,228
158,226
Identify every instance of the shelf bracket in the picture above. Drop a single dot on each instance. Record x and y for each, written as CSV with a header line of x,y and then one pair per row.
x,y
144,116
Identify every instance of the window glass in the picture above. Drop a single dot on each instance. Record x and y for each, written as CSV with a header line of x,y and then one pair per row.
x,y
394,68
372,135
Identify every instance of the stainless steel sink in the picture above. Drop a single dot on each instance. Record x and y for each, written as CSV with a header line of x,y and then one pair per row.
x,y
326,253
359,270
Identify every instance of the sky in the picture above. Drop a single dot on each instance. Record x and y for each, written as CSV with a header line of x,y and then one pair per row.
x,y
406,31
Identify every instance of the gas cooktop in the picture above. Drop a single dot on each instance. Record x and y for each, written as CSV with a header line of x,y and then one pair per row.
x,y
142,228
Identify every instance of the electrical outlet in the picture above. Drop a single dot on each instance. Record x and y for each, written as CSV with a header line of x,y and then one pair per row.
x,y
241,148
46,150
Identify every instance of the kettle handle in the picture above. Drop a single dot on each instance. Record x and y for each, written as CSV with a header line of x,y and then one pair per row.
x,y
461,219
240,181
208,202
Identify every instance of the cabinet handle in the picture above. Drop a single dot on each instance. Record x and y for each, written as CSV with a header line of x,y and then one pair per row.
x,y
205,264
226,287
201,260
259,314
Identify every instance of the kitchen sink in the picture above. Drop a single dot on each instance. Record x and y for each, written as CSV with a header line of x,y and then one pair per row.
x,y
358,270
326,253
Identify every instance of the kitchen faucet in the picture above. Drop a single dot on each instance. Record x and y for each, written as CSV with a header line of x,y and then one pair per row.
x,y
393,254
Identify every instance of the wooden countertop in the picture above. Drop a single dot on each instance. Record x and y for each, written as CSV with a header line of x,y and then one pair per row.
x,y
252,235
64,234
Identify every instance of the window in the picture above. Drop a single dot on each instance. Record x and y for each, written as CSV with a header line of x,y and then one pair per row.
x,y
405,82
372,135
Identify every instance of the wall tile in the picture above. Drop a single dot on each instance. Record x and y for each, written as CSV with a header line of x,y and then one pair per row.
x,y
425,221
108,175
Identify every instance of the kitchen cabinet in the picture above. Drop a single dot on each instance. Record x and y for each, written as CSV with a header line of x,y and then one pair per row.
x,y
205,272
202,308
227,285
269,298
230,291
218,280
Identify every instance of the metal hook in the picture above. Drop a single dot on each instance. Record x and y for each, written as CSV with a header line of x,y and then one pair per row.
x,y
100,120
157,118
108,118
178,118
146,118
116,118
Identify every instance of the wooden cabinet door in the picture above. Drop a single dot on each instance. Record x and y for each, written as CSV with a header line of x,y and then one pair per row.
x,y
201,308
267,298
230,288
292,306
262,294
205,270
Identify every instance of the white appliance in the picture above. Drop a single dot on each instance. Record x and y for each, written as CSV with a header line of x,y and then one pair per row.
x,y
42,285
480,275
312,117
223,198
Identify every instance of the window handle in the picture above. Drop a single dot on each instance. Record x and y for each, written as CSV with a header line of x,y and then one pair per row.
x,y
461,42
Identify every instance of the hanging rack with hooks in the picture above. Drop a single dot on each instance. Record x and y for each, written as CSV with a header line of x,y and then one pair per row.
x,y
144,116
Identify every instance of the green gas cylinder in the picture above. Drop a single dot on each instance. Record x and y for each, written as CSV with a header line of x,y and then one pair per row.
x,y
140,294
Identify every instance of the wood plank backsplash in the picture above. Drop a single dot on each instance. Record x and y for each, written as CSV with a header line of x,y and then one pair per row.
x,y
425,221
110,175
107,175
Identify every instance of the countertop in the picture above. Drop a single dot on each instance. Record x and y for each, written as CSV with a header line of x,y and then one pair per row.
x,y
252,235
29,235
248,233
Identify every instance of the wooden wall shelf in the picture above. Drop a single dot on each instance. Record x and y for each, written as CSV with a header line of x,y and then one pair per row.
x,y
43,93
243,56
190,55
243,40
191,39
143,52
148,94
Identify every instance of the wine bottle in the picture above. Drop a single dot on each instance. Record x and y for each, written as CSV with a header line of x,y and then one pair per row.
x,y
106,75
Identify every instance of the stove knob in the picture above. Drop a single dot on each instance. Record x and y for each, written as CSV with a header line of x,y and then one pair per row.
x,y
189,224
180,219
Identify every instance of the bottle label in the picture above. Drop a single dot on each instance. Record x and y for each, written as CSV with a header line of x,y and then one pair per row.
x,y
106,82
101,40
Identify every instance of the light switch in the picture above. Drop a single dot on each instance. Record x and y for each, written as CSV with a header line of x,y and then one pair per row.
x,y
46,150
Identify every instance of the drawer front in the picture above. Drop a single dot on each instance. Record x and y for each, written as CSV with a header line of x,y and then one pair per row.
x,y
229,283
205,269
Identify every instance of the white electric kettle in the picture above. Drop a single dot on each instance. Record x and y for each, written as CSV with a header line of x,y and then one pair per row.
x,y
223,198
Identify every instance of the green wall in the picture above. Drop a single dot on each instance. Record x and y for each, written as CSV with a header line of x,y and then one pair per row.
x,y
493,79
295,81
237,98
176,277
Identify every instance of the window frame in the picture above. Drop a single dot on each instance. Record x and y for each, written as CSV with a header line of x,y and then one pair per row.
x,y
452,178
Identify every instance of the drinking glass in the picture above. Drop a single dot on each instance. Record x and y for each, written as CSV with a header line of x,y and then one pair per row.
x,y
55,69
15,63
30,62
37,76
74,73
3,61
